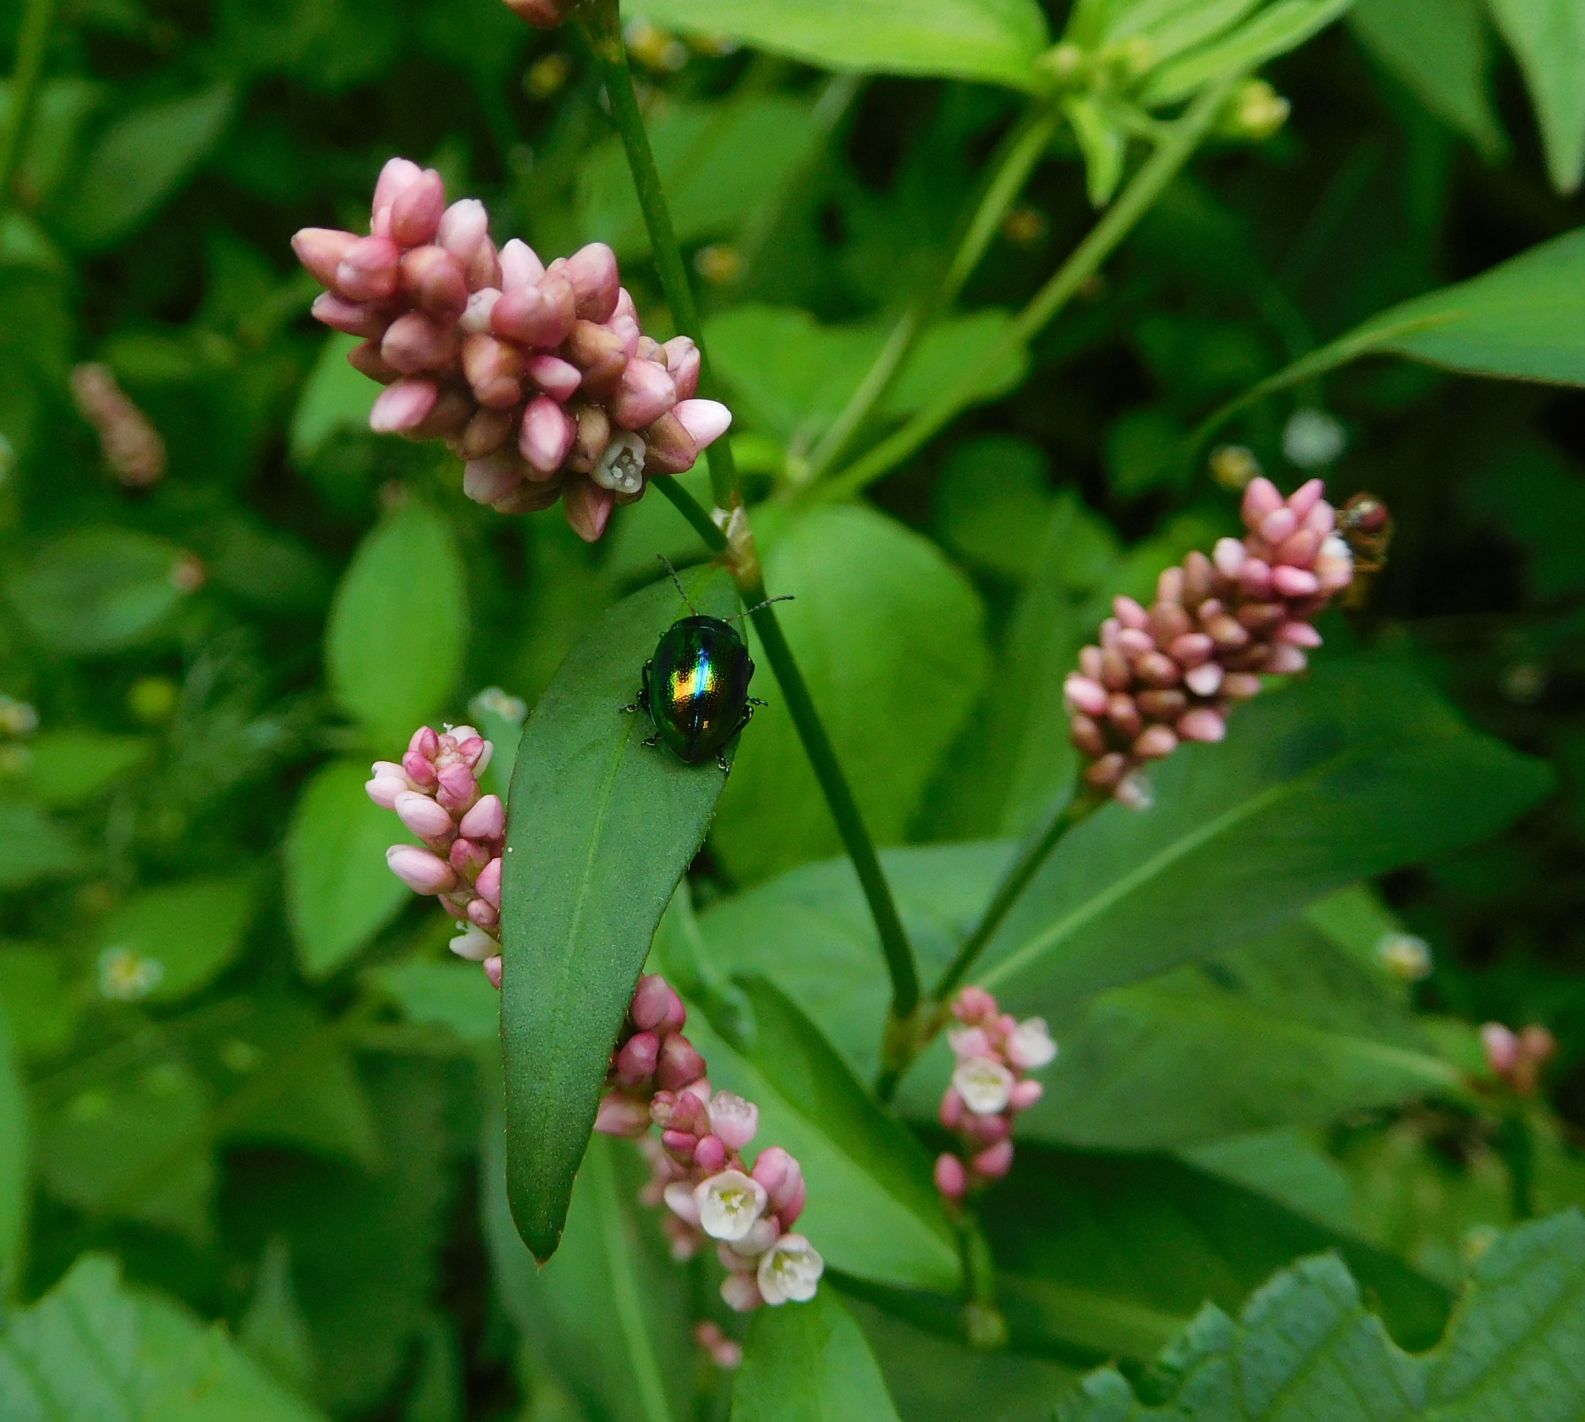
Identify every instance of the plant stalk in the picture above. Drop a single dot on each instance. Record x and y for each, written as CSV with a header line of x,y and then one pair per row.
x,y
602,25
26,81
1016,157
1182,139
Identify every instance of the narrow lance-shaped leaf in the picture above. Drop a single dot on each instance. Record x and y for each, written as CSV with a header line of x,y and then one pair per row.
x,y
602,827
1548,39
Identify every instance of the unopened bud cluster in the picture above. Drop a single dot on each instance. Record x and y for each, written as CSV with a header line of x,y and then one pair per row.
x,y
1518,1058
1169,673
434,790
538,377
711,1194
995,1053
132,446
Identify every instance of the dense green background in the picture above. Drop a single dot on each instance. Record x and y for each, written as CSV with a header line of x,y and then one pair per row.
x,y
289,1123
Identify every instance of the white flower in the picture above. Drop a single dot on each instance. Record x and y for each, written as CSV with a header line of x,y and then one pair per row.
x,y
125,975
728,1204
1030,1046
621,467
1403,955
474,944
790,1271
733,1119
984,1085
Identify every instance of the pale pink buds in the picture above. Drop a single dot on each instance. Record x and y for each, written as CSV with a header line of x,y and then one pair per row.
x,y
421,871
733,1119
422,815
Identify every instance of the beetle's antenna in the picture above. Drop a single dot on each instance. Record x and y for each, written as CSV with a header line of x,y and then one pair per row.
x,y
677,583
739,616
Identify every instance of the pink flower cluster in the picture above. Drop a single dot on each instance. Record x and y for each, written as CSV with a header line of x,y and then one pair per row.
x,y
990,1086
435,792
711,1193
1169,673
1518,1058
538,377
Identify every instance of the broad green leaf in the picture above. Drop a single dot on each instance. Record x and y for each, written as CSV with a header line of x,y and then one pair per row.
x,y
993,502
1441,55
1106,1256
793,375
888,635
1522,320
602,828
1357,771
61,769
14,1167
399,625
139,161
191,929
610,1318
809,1363
1307,1347
335,398
873,1212
453,996
1284,1031
273,1329
132,1148
42,1009
98,590
721,163
996,40
1274,31
36,848
339,893
1548,39
94,1348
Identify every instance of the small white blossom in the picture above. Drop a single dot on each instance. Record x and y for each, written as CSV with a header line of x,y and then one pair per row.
x,y
1405,956
474,944
621,467
790,1271
126,975
728,1204
1030,1046
984,1085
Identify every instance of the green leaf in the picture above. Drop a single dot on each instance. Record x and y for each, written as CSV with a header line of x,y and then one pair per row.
x,y
610,1318
1522,320
996,40
336,398
889,637
339,893
14,1168
61,769
1548,39
98,590
1359,770
36,848
139,161
1274,31
1441,55
398,628
1306,1346
809,1363
602,828
720,163
192,929
1284,1031
454,996
873,1211
94,1348
794,375
1102,141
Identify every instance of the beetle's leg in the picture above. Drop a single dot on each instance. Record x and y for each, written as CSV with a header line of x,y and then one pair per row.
x,y
755,701
720,761
651,741
641,703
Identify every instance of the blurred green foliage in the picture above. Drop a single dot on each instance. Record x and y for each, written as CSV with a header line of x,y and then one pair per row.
x,y
240,1080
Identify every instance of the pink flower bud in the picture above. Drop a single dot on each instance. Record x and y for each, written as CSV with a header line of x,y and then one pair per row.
x,y
456,788
951,1178
484,913
546,435
422,815
682,364
464,228
733,1119
592,273
492,970
621,1115
367,360
486,820
709,1154
520,265
416,209
974,1004
367,270
558,378
396,176
705,420
416,342
389,781
1085,695
488,480
403,406
355,318
537,315
488,884
422,871
1202,724
995,1161
680,1064
468,858
652,1003
668,447
1502,1048
740,1292
1260,498
637,1058
435,279
588,509
1025,1094
320,250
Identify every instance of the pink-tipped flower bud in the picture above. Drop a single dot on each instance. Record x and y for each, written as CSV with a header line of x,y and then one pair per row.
x,y
951,1178
403,406
592,273
436,281
709,1154
368,270
416,209
546,435
488,884
621,1115
680,1064
493,968
485,821
320,250
422,871
995,1161
705,420
733,1119
652,1003
423,816
588,509
637,1058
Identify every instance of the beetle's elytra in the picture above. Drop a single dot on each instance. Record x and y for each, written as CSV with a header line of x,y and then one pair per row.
x,y
695,688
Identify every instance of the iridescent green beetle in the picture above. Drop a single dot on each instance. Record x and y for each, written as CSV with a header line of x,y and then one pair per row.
x,y
695,688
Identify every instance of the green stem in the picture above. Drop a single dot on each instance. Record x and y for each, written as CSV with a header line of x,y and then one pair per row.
x,y
602,26
1010,169
1075,810
26,79
1184,137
